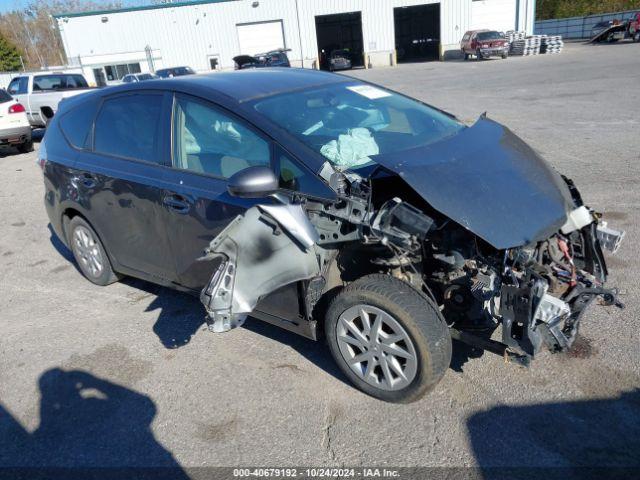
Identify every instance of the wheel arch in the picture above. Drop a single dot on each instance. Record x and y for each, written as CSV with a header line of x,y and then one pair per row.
x,y
71,212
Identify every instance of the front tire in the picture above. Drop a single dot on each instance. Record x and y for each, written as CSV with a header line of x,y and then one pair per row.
x,y
89,253
389,339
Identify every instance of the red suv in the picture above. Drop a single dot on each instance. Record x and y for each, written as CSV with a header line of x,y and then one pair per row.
x,y
484,44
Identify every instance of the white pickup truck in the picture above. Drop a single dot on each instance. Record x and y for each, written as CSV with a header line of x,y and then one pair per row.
x,y
40,93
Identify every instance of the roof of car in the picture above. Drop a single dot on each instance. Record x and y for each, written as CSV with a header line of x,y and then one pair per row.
x,y
244,85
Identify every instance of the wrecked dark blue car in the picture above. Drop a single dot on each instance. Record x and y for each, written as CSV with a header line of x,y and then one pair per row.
x,y
333,208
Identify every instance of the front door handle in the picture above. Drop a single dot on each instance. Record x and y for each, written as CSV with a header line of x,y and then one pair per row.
x,y
176,203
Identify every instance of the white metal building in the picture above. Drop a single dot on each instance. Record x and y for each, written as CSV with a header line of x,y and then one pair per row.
x,y
207,34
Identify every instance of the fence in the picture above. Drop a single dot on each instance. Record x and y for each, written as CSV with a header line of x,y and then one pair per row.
x,y
577,27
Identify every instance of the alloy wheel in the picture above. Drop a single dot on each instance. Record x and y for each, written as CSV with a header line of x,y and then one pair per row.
x,y
88,251
376,347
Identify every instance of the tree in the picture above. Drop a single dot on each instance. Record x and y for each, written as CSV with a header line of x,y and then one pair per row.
x,y
546,9
9,56
35,31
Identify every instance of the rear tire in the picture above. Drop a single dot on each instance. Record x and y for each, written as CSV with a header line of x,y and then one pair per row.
x,y
25,147
405,345
636,37
89,253
504,56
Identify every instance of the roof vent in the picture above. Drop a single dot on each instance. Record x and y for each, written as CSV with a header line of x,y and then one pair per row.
x,y
104,19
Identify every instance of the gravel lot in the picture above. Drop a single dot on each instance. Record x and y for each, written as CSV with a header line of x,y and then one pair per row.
x,y
163,391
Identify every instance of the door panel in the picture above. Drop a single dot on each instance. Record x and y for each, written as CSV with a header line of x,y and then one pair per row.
x,y
123,200
209,145
121,182
205,209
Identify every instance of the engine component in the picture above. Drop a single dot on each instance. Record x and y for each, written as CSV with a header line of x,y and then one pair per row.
x,y
577,219
401,223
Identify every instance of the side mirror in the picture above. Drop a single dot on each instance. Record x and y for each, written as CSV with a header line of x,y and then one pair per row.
x,y
253,182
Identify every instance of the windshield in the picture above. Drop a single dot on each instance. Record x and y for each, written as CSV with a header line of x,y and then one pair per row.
x,y
490,36
350,123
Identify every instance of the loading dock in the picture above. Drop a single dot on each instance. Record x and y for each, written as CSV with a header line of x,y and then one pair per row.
x,y
417,32
340,31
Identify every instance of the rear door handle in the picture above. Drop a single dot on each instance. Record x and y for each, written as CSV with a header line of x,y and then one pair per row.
x,y
176,202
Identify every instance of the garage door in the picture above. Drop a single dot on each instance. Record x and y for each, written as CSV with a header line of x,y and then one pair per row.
x,y
495,14
260,37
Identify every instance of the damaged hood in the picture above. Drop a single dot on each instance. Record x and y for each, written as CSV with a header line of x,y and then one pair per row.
x,y
489,181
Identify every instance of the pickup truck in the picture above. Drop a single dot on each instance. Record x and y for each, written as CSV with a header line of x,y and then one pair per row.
x,y
40,93
617,30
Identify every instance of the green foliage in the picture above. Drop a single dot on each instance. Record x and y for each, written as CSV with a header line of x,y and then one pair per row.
x,y
546,9
33,29
9,56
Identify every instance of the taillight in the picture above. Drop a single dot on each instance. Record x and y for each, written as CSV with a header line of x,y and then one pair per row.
x,y
17,108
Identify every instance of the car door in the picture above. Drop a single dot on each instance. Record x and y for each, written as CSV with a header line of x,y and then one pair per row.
x,y
209,145
121,180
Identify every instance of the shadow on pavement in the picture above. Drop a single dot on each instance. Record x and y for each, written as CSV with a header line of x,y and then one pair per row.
x,y
89,428
60,247
597,439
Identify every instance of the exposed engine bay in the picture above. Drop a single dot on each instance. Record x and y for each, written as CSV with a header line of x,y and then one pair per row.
x,y
536,292
530,264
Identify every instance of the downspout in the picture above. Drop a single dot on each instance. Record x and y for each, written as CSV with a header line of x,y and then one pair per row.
x,y
299,35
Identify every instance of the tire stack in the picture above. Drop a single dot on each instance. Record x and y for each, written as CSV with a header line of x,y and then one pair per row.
x,y
528,46
551,44
513,35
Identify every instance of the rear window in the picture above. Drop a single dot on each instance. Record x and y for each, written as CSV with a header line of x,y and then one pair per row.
x,y
44,83
4,96
76,123
127,126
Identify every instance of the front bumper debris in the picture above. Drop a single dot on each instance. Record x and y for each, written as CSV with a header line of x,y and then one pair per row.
x,y
609,238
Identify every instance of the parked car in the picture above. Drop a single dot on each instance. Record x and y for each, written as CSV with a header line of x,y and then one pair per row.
x,y
339,60
174,72
138,77
333,208
14,124
274,58
40,93
484,44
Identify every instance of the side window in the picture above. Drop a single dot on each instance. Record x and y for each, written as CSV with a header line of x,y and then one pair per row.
x,y
294,176
128,126
18,86
76,123
207,140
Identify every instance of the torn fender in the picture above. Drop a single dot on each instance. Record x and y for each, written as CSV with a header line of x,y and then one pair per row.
x,y
266,248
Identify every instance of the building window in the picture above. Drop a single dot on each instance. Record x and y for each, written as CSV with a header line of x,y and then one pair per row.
x,y
116,72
